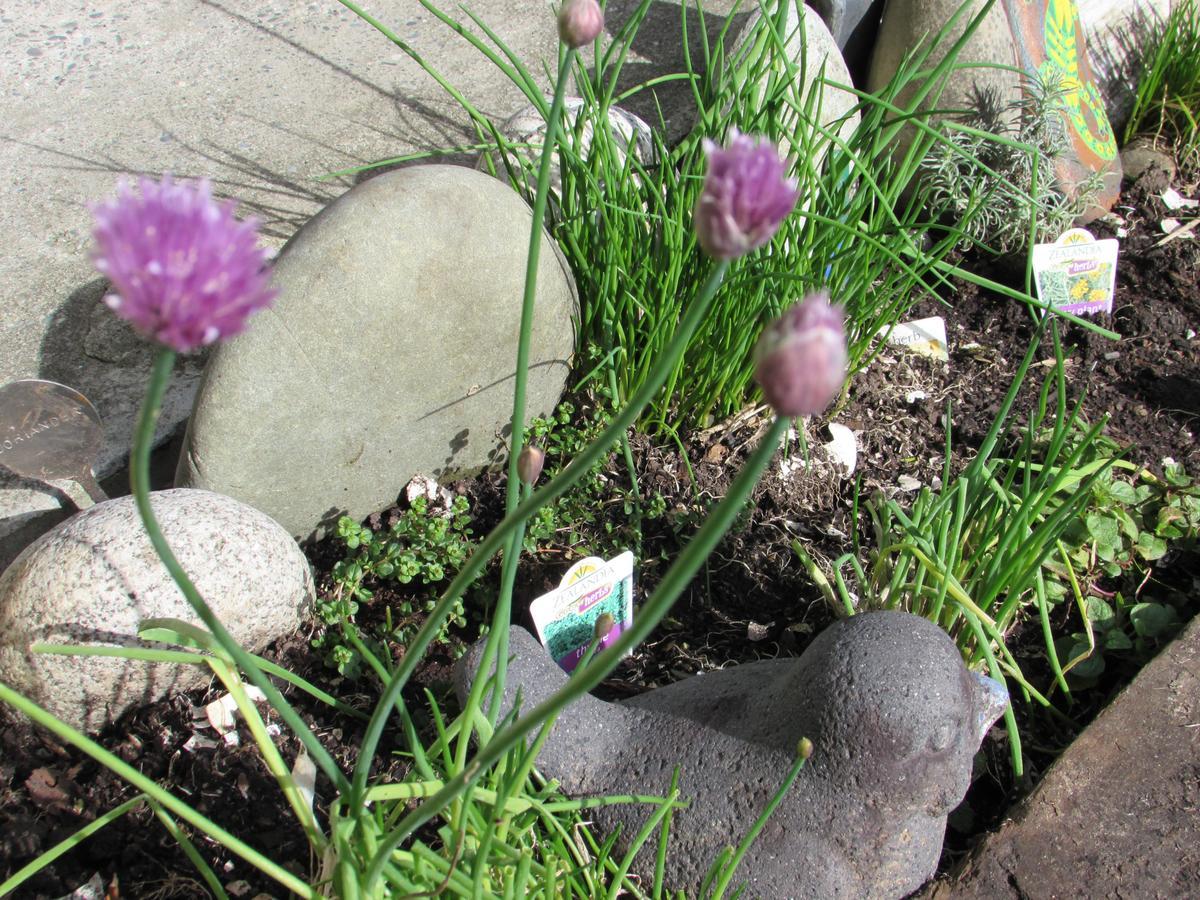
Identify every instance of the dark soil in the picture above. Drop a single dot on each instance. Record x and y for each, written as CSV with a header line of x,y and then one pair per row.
x,y
753,600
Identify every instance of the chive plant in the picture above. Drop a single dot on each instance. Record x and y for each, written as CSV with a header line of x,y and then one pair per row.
x,y
1167,103
974,555
868,226
497,827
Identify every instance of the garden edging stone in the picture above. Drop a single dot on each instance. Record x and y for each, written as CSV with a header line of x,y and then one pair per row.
x,y
1119,810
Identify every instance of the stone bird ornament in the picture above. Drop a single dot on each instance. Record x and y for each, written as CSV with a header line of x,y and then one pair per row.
x,y
895,718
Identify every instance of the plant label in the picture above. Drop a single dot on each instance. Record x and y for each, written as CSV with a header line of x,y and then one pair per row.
x,y
50,432
926,337
1077,273
565,618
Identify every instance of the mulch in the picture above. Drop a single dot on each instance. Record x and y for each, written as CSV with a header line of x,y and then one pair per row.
x,y
753,600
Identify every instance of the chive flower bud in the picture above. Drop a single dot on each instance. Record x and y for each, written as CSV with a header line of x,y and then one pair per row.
x,y
800,360
745,197
804,749
529,463
184,271
604,626
579,22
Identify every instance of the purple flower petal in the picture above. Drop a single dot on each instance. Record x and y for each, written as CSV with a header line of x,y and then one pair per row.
x,y
580,22
184,271
745,197
800,360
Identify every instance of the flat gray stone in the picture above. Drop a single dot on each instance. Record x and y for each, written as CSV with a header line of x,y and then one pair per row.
x,y
895,719
262,98
1118,815
526,129
93,578
390,351
908,23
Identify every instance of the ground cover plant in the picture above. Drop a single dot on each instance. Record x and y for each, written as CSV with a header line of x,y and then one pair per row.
x,y
419,545
751,597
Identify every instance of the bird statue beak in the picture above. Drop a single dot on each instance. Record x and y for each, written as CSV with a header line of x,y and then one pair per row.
x,y
990,703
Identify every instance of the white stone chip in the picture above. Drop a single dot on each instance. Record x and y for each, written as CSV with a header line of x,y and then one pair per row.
x,y
843,449
1173,200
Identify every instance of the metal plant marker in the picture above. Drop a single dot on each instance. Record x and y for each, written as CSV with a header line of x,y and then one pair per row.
x,y
50,432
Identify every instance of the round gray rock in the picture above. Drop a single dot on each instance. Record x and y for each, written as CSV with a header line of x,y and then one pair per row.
x,y
390,351
93,578
526,130
908,23
810,45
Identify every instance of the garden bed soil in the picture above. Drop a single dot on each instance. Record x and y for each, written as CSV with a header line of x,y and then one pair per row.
x,y
753,600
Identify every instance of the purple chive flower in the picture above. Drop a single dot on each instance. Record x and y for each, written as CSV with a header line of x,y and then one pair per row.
x,y
579,22
184,271
800,360
745,197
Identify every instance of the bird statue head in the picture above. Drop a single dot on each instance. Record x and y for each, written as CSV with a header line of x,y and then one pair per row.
x,y
894,712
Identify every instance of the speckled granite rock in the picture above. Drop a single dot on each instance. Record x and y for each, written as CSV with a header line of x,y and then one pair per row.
x,y
527,128
94,577
895,718
390,352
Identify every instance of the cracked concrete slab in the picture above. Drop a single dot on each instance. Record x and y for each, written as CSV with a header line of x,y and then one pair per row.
x,y
1118,815
263,98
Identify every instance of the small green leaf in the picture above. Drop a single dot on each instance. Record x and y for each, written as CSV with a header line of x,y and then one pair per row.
x,y
1105,533
1074,647
1100,614
1128,526
1153,620
1123,492
1150,547
1116,639
1176,476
